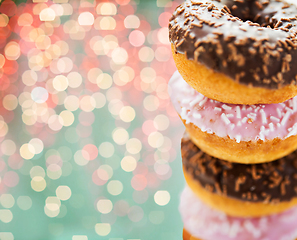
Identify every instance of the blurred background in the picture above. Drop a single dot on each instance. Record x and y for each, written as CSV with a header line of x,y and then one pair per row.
x,y
89,141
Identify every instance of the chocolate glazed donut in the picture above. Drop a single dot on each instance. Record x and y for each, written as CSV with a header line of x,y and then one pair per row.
x,y
271,182
241,190
252,42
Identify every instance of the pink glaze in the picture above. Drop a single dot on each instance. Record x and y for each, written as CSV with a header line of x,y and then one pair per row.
x,y
239,122
208,224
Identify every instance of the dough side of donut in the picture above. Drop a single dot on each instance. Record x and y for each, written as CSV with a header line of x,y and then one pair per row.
x,y
233,207
250,152
188,236
220,87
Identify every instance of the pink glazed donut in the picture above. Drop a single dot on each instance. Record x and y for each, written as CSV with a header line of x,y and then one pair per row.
x,y
233,132
203,222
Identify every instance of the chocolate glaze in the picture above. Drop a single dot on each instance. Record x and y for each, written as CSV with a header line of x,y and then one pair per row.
x,y
271,182
252,41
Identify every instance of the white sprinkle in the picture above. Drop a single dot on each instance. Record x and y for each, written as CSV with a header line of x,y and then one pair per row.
x,y
226,107
203,128
286,118
294,104
213,228
290,101
185,101
225,227
187,90
261,136
267,131
282,104
248,225
232,126
293,131
263,115
257,109
274,119
252,229
234,229
289,109
292,236
239,124
203,102
244,120
287,219
197,115
279,113
225,119
252,115
262,129
238,112
243,107
238,138
209,131
196,100
183,112
250,109
278,125
263,222
217,109
221,216
271,126
230,115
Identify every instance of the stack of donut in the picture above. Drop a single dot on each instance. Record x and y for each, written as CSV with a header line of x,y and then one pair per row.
x,y
235,91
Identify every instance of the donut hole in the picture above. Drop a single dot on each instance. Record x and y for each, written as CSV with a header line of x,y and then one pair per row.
x,y
253,11
241,10
267,20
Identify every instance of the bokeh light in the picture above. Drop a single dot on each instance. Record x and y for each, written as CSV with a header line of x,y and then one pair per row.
x,y
102,229
86,19
128,163
24,202
162,198
47,14
63,193
104,206
115,187
86,140
3,20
